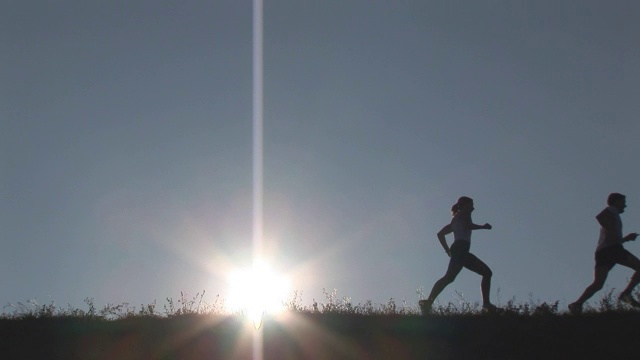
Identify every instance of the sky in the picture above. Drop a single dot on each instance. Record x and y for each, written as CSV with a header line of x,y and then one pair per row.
x,y
126,145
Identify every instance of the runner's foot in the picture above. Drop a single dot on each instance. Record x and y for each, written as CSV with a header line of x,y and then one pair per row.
x,y
490,308
575,308
628,298
425,306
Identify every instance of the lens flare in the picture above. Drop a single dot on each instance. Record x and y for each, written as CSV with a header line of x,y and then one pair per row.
x,y
257,291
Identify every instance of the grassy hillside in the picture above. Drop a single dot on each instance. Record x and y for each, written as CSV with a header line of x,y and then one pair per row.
x,y
612,335
332,330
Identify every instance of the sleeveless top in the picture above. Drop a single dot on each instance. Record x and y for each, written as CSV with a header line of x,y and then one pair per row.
x,y
460,224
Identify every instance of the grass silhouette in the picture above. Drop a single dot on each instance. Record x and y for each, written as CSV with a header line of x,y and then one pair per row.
x,y
332,304
335,328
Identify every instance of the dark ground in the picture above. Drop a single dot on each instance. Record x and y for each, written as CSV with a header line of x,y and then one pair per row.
x,y
328,336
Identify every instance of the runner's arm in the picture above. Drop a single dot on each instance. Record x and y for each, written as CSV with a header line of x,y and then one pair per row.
x,y
605,219
443,240
480,227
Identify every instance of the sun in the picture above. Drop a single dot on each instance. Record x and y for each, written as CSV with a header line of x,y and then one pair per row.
x,y
256,291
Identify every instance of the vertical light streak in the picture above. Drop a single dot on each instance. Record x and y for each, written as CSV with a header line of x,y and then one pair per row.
x,y
257,128
257,153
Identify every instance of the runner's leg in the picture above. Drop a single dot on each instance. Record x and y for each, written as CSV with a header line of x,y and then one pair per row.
x,y
479,267
631,261
452,272
599,277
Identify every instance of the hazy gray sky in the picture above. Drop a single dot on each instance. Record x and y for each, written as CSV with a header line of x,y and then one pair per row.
x,y
126,143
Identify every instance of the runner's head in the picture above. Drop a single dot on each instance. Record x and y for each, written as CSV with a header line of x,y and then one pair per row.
x,y
464,203
618,201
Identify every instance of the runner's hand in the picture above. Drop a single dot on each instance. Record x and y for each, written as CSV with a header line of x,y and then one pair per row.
x,y
487,226
631,237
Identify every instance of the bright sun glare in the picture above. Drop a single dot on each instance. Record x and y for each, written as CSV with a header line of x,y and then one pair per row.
x,y
256,291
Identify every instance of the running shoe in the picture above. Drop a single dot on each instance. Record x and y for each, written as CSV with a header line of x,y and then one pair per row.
x,y
628,299
575,308
425,306
490,308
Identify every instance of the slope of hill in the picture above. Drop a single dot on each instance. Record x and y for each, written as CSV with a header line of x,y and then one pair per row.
x,y
610,335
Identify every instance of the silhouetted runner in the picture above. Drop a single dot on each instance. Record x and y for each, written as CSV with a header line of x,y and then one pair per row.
x,y
461,225
610,252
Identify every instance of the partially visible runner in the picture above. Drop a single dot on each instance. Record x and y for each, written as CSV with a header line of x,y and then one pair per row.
x,y
610,252
461,225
